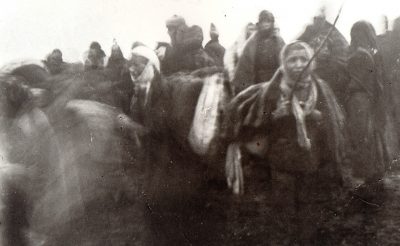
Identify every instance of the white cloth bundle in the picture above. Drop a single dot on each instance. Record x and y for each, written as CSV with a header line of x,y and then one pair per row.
x,y
206,121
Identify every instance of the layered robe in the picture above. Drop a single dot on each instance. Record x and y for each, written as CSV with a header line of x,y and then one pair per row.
x,y
250,115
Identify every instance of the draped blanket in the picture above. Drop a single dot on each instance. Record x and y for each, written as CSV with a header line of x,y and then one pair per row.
x,y
249,114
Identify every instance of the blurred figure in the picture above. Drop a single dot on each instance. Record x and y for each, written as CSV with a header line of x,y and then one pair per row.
x,y
366,114
187,53
94,57
214,48
260,57
233,54
163,50
331,60
143,67
388,44
116,61
54,62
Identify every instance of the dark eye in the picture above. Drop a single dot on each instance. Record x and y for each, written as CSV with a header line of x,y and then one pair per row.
x,y
303,59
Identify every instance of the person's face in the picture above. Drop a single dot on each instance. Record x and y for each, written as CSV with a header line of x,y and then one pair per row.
x,y
136,66
265,26
54,65
295,62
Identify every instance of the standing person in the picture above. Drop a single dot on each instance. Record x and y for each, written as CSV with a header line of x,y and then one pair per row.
x,y
388,44
233,54
214,48
187,53
298,115
94,57
331,60
117,60
260,57
366,114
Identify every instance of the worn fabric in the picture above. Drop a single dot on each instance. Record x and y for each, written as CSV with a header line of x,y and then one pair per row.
x,y
390,49
366,117
250,113
116,61
259,60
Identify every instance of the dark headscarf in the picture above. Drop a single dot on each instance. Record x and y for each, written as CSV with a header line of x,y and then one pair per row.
x,y
363,35
96,46
265,15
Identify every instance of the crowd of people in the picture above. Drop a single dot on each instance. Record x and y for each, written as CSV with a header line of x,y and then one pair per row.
x,y
321,114
359,81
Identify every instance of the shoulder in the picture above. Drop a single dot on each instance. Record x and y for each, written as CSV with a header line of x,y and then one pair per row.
x,y
210,44
360,54
250,43
360,58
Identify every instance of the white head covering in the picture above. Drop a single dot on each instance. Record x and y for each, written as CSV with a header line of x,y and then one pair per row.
x,y
145,78
289,47
147,53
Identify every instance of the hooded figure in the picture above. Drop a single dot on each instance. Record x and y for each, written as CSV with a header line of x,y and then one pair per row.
x,y
116,61
187,53
366,114
94,57
331,60
260,57
214,48
54,62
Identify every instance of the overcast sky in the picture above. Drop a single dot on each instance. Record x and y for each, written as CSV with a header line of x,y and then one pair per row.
x,y
32,28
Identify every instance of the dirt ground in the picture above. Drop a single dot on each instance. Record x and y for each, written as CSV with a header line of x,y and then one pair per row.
x,y
190,212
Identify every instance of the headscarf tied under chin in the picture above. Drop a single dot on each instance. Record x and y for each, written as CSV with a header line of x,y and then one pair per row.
x,y
297,45
145,78
299,109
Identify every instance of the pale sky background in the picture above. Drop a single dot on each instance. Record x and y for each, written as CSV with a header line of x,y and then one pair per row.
x,y
30,29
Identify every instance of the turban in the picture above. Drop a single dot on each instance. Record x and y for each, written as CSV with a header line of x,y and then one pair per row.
x,y
147,53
